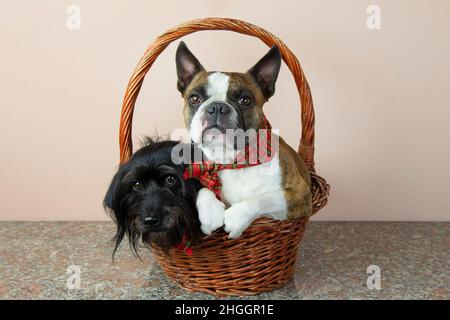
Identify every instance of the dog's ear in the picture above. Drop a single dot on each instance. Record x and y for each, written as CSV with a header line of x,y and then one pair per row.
x,y
111,198
266,70
187,66
112,205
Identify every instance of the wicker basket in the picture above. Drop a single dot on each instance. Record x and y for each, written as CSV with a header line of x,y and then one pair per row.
x,y
263,258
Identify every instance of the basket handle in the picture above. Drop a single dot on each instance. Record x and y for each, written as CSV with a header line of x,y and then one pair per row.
x,y
306,148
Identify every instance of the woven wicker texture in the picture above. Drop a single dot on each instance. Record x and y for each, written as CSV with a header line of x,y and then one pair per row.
x,y
263,257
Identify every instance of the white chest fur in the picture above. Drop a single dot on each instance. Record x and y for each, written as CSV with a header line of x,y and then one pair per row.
x,y
261,183
249,193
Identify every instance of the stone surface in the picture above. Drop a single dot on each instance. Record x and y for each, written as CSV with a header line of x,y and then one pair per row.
x,y
38,260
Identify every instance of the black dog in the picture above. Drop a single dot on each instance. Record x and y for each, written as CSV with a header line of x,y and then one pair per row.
x,y
149,199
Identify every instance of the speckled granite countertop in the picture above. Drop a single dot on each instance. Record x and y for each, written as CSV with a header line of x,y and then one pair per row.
x,y
414,260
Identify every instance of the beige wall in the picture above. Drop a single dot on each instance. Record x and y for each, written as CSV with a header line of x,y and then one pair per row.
x,y
382,98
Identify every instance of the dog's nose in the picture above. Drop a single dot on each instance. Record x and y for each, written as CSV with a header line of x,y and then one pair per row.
x,y
224,109
151,221
211,109
218,107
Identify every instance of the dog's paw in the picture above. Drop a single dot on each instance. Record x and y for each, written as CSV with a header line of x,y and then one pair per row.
x,y
236,220
210,211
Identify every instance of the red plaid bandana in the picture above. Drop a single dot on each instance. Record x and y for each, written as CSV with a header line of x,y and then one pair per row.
x,y
255,152
184,246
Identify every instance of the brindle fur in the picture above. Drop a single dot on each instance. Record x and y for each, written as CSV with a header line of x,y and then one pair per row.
x,y
296,182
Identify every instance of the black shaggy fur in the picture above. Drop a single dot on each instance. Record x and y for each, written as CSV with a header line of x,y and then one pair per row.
x,y
149,199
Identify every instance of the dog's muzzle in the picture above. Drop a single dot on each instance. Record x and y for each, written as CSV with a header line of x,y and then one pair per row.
x,y
218,108
221,116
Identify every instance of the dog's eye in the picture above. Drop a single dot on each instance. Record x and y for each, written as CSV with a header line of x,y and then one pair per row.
x,y
245,101
170,180
195,100
137,186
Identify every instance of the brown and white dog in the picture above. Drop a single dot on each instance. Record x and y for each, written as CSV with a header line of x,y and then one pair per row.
x,y
221,101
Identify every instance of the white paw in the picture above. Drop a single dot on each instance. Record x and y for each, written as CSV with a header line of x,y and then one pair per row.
x,y
237,218
210,211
